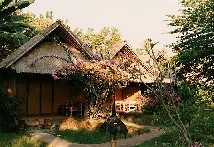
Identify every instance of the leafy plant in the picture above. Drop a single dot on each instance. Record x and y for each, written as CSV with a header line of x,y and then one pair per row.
x,y
101,42
162,96
12,27
194,28
202,127
9,111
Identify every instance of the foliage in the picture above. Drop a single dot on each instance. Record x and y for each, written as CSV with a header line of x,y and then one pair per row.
x,y
203,126
9,111
187,106
176,104
19,140
195,45
180,101
205,95
100,42
39,23
12,27
162,96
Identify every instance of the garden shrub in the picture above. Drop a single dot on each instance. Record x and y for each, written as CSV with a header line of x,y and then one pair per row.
x,y
184,99
203,126
9,111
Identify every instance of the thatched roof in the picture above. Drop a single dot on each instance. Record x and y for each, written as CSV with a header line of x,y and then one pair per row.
x,y
58,28
124,48
146,70
119,46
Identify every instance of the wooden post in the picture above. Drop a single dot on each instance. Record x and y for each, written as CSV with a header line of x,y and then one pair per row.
x,y
113,141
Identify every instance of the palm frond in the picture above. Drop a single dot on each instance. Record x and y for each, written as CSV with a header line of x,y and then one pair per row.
x,y
5,3
11,9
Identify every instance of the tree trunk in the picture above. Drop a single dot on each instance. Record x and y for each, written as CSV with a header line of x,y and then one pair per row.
x,y
113,142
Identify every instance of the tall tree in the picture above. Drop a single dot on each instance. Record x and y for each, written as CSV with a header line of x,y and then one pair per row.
x,y
101,41
196,39
39,23
12,27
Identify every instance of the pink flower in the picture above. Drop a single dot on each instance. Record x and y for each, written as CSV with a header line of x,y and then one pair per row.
x,y
98,57
54,75
78,64
177,98
113,61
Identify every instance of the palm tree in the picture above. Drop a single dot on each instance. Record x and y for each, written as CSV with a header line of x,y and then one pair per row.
x,y
13,30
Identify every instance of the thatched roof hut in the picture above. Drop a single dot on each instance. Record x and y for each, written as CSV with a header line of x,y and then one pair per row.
x,y
27,71
44,53
124,49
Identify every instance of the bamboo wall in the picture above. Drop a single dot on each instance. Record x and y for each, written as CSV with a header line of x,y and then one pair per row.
x,y
34,96
61,94
41,94
22,92
46,96
131,93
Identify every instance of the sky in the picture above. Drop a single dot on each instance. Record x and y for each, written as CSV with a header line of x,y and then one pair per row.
x,y
136,20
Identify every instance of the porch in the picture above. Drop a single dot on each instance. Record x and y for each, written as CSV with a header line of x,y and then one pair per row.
x,y
37,122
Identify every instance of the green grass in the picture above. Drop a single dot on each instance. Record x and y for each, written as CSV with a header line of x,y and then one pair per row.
x,y
166,139
171,139
19,140
86,136
83,136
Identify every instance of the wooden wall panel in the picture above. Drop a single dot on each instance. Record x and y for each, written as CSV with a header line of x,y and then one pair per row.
x,y
4,79
118,94
34,97
61,94
22,93
46,97
131,93
77,94
4,83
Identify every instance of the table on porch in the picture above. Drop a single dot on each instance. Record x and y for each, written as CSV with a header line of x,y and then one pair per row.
x,y
71,109
123,106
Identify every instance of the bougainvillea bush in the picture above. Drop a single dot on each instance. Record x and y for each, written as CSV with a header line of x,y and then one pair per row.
x,y
99,79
